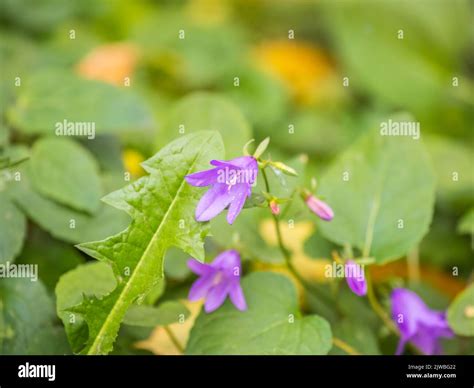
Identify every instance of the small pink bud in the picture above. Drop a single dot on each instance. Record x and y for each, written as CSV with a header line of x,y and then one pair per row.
x,y
320,208
274,207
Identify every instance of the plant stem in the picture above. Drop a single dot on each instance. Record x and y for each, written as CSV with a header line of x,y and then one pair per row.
x,y
378,309
288,206
281,245
344,346
173,339
286,253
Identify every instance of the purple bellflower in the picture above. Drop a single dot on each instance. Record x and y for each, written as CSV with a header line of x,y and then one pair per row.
x,y
320,208
417,323
355,278
231,183
217,280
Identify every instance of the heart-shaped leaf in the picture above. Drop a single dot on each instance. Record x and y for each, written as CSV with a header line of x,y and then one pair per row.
x,y
390,186
64,171
27,319
60,103
208,112
13,228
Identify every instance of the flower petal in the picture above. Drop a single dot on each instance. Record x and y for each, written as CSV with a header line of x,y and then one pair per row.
x,y
400,346
406,310
201,287
246,163
240,162
426,341
239,195
355,278
202,178
227,260
213,202
320,208
237,296
357,285
199,268
216,297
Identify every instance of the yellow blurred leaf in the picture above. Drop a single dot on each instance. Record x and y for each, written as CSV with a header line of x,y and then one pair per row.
x,y
306,70
311,269
208,12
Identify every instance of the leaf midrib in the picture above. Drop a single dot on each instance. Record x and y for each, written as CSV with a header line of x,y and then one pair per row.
x,y
374,209
102,331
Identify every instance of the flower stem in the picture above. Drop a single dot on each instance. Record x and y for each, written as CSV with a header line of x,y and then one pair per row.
x,y
286,253
378,309
281,244
337,342
173,339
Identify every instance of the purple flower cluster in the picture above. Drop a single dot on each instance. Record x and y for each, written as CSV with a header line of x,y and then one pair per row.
x,y
230,185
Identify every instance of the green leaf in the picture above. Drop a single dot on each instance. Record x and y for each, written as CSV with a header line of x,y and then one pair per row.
x,y
466,224
391,187
52,257
261,148
413,72
107,150
443,252
355,308
27,319
453,165
461,313
329,131
176,266
149,316
284,168
127,339
162,207
97,279
271,325
48,98
89,279
262,98
13,155
13,229
317,246
4,135
357,335
64,171
245,234
206,111
189,62
43,17
65,223
255,200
